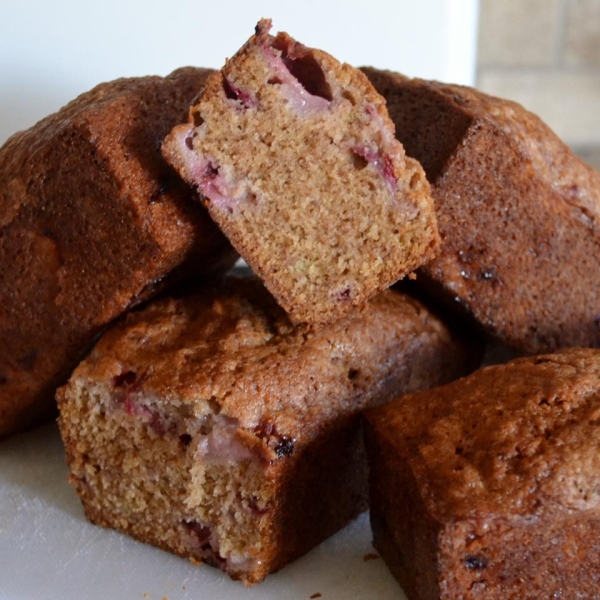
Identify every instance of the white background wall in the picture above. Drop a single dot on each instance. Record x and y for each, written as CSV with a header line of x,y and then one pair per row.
x,y
50,51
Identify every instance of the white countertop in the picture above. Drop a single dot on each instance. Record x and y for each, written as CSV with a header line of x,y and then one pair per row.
x,y
48,551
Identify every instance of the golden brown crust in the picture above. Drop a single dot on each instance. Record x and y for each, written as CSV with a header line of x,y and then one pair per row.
x,y
520,427
295,158
166,394
518,213
499,472
91,222
222,344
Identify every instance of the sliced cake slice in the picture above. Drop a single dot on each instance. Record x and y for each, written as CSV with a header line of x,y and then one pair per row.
x,y
210,426
297,161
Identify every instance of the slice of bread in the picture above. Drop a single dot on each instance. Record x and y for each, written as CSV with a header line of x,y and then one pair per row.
x,y
296,160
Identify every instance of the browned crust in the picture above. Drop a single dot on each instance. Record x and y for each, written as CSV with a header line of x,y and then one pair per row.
x,y
215,316
489,485
535,409
234,347
518,213
92,221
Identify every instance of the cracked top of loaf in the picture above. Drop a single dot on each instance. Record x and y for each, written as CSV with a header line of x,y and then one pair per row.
x,y
510,440
233,351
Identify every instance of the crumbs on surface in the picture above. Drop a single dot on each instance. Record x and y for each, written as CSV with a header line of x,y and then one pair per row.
x,y
195,561
317,595
370,556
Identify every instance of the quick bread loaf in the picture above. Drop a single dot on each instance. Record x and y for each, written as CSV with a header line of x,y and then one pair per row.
x,y
92,222
210,426
488,487
518,213
296,160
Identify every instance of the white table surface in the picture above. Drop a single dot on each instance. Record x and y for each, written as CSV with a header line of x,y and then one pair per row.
x,y
48,551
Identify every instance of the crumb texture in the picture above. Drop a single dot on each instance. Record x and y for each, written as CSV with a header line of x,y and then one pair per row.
x,y
211,426
297,161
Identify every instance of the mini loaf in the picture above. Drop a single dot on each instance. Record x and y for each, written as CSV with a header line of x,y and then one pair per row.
x,y
518,213
92,221
296,160
210,426
489,487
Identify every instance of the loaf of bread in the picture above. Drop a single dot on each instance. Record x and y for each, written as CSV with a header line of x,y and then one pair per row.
x,y
296,160
210,426
518,213
489,487
92,221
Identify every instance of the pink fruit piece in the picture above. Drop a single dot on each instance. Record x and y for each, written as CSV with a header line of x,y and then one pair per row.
x,y
222,444
203,539
129,385
380,161
233,92
205,173
301,78
201,532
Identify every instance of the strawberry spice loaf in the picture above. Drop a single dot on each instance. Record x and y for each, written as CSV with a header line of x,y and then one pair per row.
x,y
296,160
92,221
489,487
518,213
210,426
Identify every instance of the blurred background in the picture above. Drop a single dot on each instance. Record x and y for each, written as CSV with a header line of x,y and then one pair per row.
x,y
544,54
